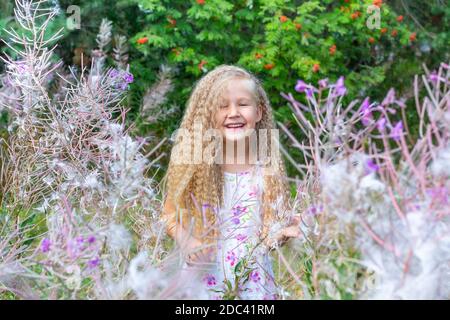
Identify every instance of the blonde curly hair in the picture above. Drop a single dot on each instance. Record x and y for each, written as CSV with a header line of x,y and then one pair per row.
x,y
190,186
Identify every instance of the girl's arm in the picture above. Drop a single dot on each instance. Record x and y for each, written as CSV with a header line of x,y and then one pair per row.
x,y
176,231
173,228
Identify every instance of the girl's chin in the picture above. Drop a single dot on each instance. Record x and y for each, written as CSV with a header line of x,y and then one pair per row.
x,y
236,134
234,138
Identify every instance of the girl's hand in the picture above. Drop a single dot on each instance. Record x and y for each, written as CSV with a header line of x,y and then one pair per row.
x,y
197,252
291,231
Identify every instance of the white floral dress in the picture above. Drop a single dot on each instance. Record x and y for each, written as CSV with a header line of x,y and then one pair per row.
x,y
240,221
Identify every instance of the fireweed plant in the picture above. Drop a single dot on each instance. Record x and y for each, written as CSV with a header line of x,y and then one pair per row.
x,y
368,187
70,159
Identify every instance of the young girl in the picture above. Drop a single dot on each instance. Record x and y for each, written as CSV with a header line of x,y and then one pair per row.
x,y
222,204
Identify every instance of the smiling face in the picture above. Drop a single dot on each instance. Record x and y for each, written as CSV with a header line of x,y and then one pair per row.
x,y
237,113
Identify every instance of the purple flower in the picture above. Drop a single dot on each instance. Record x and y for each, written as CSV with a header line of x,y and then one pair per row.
x,y
235,220
80,240
210,280
114,73
272,296
91,239
254,276
238,210
381,124
123,86
309,93
433,77
371,166
122,81
45,245
93,263
21,66
241,237
389,99
301,86
340,87
128,77
366,112
397,131
439,194
313,210
323,83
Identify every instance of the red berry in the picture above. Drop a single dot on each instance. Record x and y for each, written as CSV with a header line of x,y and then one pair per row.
x,y
284,18
298,26
333,49
413,36
371,40
142,40
394,33
201,64
316,67
269,66
377,3
172,22
258,55
383,30
400,18
201,2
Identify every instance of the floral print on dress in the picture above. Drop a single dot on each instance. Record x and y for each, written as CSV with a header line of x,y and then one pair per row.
x,y
231,258
254,276
239,233
210,280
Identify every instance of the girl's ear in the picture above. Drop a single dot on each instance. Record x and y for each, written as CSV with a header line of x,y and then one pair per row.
x,y
259,114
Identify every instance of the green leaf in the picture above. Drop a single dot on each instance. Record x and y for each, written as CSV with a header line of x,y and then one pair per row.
x,y
238,267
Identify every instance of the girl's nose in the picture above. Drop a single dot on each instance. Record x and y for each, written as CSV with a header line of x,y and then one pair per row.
x,y
233,111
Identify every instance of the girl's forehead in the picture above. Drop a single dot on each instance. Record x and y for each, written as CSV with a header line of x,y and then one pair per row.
x,y
239,88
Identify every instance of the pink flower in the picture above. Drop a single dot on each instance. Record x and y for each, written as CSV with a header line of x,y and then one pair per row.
x,y
272,296
239,210
254,192
241,237
210,280
231,257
